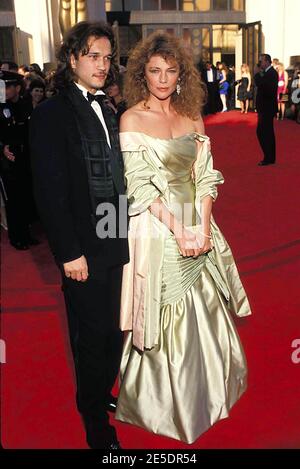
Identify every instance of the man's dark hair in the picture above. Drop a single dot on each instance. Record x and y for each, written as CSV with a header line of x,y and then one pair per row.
x,y
75,43
267,57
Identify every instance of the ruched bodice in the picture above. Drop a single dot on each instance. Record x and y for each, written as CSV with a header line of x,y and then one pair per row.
x,y
177,157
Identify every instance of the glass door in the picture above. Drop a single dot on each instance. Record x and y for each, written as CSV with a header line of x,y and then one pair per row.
x,y
252,44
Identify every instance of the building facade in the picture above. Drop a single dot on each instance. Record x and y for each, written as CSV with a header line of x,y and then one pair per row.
x,y
233,31
208,27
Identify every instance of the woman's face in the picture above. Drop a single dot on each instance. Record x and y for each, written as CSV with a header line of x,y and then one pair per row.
x,y
161,76
37,94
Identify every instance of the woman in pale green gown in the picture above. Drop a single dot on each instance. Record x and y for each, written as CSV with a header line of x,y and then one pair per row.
x,y
183,366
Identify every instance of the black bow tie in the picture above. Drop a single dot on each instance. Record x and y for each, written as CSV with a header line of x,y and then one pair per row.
x,y
95,97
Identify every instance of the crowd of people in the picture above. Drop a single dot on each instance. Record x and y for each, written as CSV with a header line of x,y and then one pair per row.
x,y
220,81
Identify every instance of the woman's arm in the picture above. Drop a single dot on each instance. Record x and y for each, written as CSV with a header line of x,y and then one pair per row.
x,y
188,242
286,81
224,76
249,82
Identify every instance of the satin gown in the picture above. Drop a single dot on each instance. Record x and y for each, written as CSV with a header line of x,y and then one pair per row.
x,y
195,370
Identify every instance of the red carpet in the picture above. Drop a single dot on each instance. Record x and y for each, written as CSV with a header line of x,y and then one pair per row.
x,y
258,210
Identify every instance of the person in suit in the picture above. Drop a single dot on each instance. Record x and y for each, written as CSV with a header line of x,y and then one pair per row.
x,y
211,79
78,175
266,81
15,162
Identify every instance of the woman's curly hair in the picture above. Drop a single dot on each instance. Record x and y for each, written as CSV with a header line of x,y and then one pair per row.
x,y
76,42
192,95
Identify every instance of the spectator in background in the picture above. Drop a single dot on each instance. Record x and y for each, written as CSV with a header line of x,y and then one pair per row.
x,y
36,92
275,63
223,84
295,95
218,69
114,91
23,70
244,89
15,163
231,89
9,66
35,68
282,91
209,76
266,103
50,89
28,79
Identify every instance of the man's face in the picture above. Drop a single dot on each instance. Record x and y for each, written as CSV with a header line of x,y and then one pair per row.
x,y
91,70
263,62
12,92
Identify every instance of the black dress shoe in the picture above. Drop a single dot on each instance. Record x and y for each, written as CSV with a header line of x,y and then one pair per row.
x,y
100,434
111,405
19,246
265,163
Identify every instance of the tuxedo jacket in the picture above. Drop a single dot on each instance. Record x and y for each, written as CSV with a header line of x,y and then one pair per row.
x,y
215,76
62,191
266,99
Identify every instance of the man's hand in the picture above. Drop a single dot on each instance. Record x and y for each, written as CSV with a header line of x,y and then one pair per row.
x,y
77,269
8,154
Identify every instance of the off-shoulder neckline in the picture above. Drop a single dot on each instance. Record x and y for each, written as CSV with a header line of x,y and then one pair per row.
x,y
165,139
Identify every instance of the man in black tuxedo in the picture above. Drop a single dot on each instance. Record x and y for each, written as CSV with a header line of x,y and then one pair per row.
x,y
78,175
210,77
266,104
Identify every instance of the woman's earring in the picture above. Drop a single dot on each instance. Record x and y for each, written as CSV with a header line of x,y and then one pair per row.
x,y
178,88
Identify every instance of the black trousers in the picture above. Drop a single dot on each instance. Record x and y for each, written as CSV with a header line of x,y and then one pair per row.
x,y
266,136
17,206
214,103
93,315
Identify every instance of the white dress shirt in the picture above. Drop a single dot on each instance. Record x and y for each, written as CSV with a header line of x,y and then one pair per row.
x,y
210,76
97,108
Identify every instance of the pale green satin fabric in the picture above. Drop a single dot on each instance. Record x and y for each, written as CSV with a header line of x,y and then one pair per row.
x,y
187,367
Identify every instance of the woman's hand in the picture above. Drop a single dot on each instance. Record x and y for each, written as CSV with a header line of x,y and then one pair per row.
x,y
206,244
191,244
187,243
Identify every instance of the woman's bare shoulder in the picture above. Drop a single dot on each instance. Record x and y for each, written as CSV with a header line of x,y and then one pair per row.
x,y
130,120
199,125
